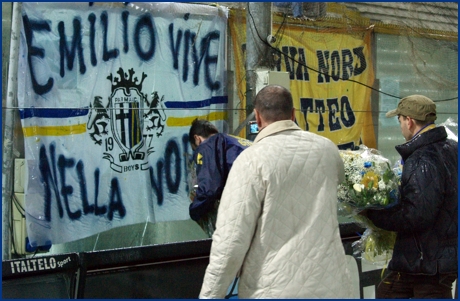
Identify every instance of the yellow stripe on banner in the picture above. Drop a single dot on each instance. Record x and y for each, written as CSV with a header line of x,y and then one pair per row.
x,y
187,121
54,130
81,128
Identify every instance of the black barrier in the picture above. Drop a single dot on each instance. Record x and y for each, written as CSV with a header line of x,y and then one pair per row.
x,y
164,271
44,277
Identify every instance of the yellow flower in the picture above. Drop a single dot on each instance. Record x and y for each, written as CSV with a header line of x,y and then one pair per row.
x,y
369,177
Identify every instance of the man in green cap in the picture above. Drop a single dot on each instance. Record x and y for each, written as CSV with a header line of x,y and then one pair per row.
x,y
424,262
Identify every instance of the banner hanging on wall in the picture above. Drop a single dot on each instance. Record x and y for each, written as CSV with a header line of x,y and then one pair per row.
x,y
331,74
107,93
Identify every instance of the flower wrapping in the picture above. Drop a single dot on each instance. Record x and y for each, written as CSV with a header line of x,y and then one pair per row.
x,y
451,128
370,183
375,245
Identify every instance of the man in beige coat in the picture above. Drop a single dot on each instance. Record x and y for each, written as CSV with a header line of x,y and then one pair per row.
x,y
277,221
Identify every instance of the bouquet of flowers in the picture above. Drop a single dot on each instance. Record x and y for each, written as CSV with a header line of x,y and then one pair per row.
x,y
375,245
370,182
208,221
191,176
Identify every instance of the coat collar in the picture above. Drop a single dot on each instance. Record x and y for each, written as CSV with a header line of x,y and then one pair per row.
x,y
276,127
431,136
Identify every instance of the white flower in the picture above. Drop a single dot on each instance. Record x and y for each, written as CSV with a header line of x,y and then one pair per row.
x,y
358,187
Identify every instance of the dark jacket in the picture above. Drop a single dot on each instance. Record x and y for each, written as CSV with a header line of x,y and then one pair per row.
x,y
426,217
214,158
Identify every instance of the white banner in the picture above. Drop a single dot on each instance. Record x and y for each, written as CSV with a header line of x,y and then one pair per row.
x,y
107,93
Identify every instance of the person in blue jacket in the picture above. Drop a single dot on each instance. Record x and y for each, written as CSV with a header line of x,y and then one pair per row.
x,y
213,154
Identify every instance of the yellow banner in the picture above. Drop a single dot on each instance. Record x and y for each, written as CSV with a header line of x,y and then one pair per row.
x,y
331,73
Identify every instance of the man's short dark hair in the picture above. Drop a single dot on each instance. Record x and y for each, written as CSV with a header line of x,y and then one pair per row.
x,y
274,103
201,128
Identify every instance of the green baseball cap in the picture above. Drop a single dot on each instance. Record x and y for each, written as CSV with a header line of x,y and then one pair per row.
x,y
418,107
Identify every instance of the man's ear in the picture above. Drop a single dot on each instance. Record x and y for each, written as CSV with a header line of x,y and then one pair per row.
x,y
258,120
410,123
200,138
293,114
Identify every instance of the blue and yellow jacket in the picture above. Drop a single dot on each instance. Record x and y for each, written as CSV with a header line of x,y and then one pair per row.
x,y
214,158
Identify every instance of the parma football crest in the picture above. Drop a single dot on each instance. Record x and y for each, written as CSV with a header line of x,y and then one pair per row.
x,y
127,124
